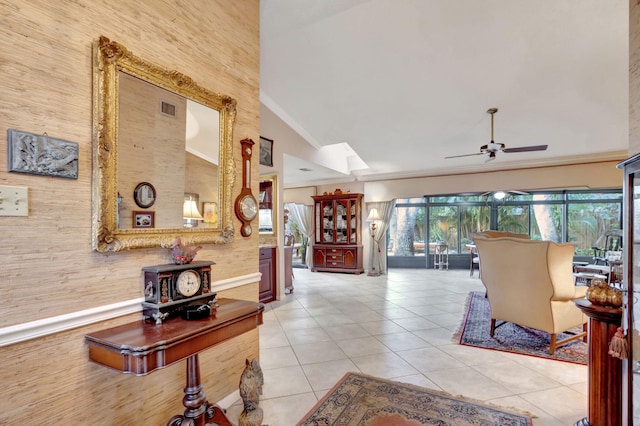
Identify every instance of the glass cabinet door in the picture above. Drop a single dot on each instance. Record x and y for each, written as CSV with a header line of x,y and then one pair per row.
x,y
353,222
327,222
317,220
631,285
634,291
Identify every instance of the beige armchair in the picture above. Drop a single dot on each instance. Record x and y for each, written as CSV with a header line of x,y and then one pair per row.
x,y
473,251
530,283
500,234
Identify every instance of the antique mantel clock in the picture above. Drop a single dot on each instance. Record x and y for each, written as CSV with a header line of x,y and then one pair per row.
x,y
246,206
172,290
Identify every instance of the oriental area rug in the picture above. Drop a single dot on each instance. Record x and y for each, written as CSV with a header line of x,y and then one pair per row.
x,y
474,331
358,399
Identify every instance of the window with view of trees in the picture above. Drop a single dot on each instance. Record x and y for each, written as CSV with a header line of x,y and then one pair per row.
x,y
579,217
406,236
588,223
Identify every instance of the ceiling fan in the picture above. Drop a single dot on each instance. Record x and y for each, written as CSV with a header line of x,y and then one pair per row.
x,y
491,148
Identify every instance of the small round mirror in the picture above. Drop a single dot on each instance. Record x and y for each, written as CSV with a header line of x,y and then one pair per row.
x,y
144,195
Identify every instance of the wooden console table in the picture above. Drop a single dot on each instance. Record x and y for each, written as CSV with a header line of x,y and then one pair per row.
x,y
141,347
605,371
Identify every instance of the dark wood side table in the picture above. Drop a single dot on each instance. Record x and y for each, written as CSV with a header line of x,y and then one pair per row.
x,y
268,280
605,371
141,347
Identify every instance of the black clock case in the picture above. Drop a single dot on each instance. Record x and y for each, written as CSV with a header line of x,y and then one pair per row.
x,y
162,300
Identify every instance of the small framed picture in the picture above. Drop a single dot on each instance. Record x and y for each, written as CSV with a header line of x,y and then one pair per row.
x,y
143,219
266,152
210,212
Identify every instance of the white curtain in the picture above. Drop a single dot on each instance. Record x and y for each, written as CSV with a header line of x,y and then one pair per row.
x,y
302,215
379,248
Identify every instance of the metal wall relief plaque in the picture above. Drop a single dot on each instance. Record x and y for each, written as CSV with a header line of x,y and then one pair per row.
x,y
42,155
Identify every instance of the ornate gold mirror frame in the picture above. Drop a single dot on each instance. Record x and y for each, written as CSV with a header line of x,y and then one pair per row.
x,y
110,58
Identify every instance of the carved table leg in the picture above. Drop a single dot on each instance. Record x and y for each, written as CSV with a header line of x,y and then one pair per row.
x,y
198,410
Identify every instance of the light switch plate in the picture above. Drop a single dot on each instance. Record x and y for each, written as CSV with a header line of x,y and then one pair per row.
x,y
14,201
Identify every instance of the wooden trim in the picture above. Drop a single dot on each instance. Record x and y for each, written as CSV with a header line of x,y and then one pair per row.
x,y
235,282
46,326
52,325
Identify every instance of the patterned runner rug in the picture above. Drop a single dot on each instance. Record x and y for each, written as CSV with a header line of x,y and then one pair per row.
x,y
358,399
474,331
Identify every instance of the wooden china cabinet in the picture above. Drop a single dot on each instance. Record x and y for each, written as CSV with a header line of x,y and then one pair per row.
x,y
338,241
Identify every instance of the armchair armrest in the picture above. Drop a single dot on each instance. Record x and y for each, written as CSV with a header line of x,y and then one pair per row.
x,y
577,293
581,291
560,264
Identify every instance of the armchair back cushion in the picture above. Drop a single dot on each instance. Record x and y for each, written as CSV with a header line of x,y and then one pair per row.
x,y
531,283
500,234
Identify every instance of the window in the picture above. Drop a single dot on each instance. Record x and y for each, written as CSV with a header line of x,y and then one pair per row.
x,y
443,226
588,223
472,219
580,217
406,235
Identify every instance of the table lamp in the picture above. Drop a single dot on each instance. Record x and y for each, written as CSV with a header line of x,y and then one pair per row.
x,y
190,212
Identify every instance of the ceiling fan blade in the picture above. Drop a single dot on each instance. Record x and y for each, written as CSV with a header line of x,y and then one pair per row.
x,y
513,191
464,155
526,148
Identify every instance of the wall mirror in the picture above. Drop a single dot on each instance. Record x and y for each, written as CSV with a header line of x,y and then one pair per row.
x,y
267,199
157,128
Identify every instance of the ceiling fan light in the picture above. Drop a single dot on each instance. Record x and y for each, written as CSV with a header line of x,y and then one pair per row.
x,y
499,195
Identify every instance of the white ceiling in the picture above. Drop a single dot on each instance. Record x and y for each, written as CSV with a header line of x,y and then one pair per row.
x,y
408,82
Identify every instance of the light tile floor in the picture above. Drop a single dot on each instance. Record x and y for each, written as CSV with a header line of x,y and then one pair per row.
x,y
398,326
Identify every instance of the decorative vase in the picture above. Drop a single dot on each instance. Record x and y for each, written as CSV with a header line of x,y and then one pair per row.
x,y
602,294
182,255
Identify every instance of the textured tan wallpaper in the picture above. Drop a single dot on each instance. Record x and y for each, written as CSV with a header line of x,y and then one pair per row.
x,y
48,267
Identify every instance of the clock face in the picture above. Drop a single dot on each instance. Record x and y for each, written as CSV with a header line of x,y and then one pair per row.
x,y
188,283
248,207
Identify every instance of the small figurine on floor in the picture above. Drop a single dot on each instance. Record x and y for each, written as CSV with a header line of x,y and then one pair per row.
x,y
182,255
251,383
